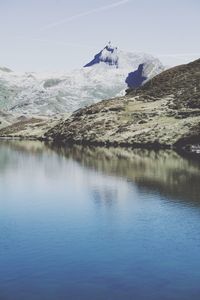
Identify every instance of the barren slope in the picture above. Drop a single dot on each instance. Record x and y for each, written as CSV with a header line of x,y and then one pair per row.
x,y
165,112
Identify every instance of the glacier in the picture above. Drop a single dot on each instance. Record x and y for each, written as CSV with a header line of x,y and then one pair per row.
x,y
106,76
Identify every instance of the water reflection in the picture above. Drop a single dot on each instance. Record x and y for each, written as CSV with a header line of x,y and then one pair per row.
x,y
163,171
92,223
24,163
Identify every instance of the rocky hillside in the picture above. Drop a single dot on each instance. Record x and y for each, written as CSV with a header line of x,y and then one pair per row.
x,y
165,112
183,82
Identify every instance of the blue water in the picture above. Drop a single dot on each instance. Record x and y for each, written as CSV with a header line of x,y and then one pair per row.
x,y
81,223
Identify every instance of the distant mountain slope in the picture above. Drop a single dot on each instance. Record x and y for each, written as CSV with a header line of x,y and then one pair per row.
x,y
102,78
164,112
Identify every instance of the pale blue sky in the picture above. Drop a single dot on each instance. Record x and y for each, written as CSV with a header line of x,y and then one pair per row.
x,y
58,35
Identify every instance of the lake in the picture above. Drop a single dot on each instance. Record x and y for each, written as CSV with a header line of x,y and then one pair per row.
x,y
83,223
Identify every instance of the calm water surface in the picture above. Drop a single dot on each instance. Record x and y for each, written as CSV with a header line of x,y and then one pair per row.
x,y
98,224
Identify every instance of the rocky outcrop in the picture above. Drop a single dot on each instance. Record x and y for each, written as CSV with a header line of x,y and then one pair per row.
x,y
165,112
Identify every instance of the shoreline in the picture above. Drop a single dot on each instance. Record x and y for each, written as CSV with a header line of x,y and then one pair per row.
x,y
191,150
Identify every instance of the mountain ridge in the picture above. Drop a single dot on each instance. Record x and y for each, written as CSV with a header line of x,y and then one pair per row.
x,y
33,94
165,112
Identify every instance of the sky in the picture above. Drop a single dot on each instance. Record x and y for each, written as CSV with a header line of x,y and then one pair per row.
x,y
60,35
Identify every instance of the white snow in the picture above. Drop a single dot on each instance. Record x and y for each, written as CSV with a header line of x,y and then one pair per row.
x,y
48,94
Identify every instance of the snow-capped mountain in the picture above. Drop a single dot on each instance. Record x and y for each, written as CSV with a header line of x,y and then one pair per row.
x,y
108,55
106,76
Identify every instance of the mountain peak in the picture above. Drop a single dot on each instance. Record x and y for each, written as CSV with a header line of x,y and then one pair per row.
x,y
109,56
109,47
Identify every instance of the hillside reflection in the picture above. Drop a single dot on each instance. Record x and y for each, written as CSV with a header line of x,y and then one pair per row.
x,y
163,171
